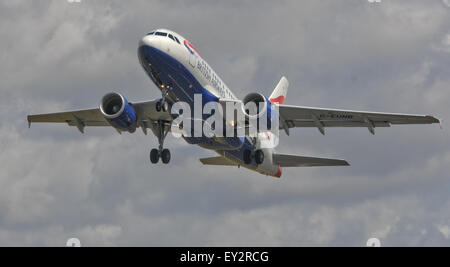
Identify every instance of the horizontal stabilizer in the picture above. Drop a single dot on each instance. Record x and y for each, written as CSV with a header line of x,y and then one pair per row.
x,y
217,161
285,160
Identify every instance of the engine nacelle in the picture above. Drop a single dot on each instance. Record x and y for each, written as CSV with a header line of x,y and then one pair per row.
x,y
118,112
253,110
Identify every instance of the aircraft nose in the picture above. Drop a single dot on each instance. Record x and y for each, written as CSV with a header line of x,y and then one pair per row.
x,y
150,40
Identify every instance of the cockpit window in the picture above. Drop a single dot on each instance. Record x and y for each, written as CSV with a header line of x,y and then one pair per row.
x,y
173,37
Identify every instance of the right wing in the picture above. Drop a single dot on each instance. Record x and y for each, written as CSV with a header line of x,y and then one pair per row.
x,y
89,117
145,112
285,160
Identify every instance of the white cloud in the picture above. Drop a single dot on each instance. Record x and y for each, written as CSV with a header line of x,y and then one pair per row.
x,y
446,2
445,230
445,44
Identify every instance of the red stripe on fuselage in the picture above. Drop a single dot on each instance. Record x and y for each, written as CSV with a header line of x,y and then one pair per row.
x,y
191,46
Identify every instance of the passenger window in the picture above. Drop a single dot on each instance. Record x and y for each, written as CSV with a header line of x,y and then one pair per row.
x,y
161,33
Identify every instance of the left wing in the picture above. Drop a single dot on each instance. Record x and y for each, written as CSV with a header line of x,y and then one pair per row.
x,y
299,116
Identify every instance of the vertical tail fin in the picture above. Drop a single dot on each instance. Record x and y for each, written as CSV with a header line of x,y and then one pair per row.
x,y
279,93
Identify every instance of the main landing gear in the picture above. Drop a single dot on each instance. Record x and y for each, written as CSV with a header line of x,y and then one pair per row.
x,y
161,131
161,152
258,156
155,154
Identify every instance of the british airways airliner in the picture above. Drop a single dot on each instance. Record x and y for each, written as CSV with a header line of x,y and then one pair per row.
x,y
181,74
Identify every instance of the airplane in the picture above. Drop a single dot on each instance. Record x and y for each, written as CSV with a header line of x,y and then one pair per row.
x,y
180,73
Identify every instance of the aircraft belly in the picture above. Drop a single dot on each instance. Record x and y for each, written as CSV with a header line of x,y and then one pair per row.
x,y
171,72
231,143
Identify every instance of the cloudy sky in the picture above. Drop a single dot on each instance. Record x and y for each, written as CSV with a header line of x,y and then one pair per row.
x,y
56,183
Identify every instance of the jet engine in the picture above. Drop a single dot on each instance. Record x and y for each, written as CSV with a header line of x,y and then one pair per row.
x,y
257,107
118,112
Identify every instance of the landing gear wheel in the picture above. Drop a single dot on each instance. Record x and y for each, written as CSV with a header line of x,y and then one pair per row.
x,y
165,106
161,132
154,156
165,156
158,106
162,105
247,156
259,156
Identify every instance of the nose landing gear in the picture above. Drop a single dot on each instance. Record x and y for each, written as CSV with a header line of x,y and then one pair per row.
x,y
162,104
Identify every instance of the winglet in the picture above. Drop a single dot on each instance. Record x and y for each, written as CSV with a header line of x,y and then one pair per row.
x,y
436,120
29,122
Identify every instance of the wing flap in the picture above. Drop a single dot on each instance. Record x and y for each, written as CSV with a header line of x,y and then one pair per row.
x,y
89,123
222,161
285,160
306,123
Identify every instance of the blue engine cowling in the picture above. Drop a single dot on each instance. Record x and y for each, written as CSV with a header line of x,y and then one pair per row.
x,y
118,112
266,113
